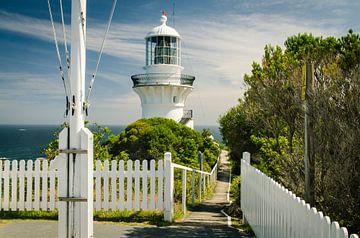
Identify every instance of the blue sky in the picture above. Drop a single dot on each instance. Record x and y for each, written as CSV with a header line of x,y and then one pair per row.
x,y
221,38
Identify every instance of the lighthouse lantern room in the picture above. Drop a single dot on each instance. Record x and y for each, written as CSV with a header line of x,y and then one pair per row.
x,y
163,89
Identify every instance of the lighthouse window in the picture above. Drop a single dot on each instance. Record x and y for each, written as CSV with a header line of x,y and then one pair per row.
x,y
148,51
162,50
175,99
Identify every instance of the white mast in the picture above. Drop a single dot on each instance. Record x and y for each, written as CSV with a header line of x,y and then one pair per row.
x,y
77,69
75,161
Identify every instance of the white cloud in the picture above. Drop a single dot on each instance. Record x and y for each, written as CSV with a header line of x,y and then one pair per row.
x,y
218,50
18,86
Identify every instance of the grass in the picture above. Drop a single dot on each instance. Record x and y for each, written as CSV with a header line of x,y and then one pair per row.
x,y
144,217
242,226
135,217
26,215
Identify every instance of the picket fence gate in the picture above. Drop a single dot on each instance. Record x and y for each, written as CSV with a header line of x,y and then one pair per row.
x,y
275,212
118,185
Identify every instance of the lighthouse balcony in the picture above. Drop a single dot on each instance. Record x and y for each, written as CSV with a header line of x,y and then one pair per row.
x,y
187,118
162,79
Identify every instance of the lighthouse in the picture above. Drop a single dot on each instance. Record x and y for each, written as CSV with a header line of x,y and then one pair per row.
x,y
163,88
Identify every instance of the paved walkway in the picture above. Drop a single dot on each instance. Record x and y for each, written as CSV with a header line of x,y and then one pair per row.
x,y
205,221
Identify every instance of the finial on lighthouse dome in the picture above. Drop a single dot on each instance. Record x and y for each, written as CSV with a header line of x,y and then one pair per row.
x,y
163,18
163,29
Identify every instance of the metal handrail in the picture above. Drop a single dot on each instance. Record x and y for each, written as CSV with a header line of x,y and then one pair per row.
x,y
189,169
212,176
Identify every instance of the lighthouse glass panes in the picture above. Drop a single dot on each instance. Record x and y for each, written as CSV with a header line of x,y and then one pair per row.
x,y
162,50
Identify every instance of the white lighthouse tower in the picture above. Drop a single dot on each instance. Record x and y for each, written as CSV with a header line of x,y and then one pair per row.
x,y
163,89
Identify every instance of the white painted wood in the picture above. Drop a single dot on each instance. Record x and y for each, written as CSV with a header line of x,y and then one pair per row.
x,y
86,188
52,184
44,186
98,186
274,212
335,230
1,183
121,174
183,200
326,224
29,182
169,185
37,185
200,187
137,186
144,180
160,200
14,168
152,185
113,185
105,203
21,174
319,217
61,166
129,184
343,233
246,157
193,188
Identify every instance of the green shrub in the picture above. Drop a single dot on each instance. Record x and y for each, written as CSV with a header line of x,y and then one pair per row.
x,y
235,192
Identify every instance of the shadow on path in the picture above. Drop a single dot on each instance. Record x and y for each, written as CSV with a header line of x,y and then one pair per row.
x,y
205,220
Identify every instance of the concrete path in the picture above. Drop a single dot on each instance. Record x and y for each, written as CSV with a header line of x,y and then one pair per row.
x,y
204,221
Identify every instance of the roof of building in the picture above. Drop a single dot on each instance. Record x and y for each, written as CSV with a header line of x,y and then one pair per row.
x,y
163,29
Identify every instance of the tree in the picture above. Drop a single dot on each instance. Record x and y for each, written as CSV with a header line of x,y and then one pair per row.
x,y
100,135
270,118
148,139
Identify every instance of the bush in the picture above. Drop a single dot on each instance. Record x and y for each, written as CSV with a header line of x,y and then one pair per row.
x,y
148,139
235,191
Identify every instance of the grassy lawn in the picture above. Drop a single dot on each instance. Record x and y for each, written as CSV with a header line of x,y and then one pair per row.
x,y
143,217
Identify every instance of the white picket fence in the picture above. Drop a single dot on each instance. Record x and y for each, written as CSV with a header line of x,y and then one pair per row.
x,y
27,185
33,185
133,188
275,212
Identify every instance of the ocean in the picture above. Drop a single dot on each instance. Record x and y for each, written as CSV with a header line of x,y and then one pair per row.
x,y
26,141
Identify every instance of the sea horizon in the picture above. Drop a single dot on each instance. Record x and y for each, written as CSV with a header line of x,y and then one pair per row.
x,y
25,141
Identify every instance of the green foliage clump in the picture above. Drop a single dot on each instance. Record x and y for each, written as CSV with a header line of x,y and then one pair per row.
x,y
235,191
100,135
148,139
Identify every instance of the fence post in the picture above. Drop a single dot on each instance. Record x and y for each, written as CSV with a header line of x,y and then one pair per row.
x,y
184,191
169,188
193,188
200,186
246,157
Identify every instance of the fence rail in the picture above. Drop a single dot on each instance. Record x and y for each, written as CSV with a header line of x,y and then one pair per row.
x,y
275,212
33,185
205,179
118,185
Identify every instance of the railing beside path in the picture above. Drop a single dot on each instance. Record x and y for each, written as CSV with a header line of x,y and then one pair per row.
x,y
205,180
275,212
118,185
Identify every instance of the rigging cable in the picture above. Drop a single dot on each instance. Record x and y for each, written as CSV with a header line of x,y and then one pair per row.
x,y
173,14
86,103
59,59
65,40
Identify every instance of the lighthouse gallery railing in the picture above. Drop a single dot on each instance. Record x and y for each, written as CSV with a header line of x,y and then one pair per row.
x,y
162,79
